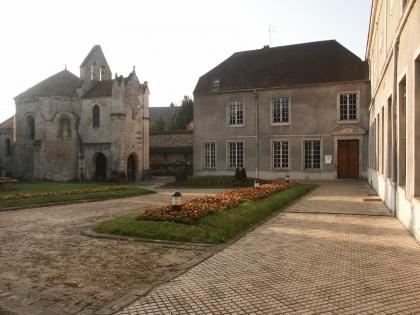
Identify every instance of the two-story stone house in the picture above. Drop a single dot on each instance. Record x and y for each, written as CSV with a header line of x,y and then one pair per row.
x,y
393,53
299,110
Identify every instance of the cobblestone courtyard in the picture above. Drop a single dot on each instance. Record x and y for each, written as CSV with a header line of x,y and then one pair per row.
x,y
48,267
332,252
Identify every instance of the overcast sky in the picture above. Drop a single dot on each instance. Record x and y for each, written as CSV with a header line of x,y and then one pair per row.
x,y
171,43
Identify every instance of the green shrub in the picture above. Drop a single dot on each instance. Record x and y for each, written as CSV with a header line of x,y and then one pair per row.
x,y
237,174
243,174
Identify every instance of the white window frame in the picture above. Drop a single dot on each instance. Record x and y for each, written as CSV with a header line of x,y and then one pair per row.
x,y
229,167
204,155
282,123
344,121
272,155
320,156
235,103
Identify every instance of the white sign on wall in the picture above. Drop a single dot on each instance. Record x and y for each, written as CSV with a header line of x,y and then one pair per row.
x,y
328,159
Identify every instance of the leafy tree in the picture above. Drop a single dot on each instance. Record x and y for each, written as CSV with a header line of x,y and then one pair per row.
x,y
182,115
158,125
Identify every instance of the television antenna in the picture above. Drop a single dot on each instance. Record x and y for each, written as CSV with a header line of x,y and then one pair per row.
x,y
270,31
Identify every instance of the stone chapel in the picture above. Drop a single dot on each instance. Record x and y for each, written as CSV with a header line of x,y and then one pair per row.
x,y
88,127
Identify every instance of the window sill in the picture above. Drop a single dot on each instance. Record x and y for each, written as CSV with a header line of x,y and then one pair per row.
x,y
280,124
349,121
312,170
279,170
236,126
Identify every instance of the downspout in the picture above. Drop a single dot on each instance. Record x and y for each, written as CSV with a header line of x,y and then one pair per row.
x,y
256,138
394,123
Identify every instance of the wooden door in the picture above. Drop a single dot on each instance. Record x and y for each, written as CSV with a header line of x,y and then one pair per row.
x,y
348,159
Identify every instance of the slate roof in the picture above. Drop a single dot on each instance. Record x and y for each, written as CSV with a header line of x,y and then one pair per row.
x,y
164,112
308,63
91,53
63,83
7,124
100,89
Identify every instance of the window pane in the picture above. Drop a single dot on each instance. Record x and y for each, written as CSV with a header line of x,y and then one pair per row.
x,y
280,110
280,154
236,154
352,106
210,155
348,106
312,154
235,113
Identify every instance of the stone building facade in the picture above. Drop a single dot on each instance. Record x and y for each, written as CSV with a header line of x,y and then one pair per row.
x,y
170,150
299,110
6,146
88,127
393,53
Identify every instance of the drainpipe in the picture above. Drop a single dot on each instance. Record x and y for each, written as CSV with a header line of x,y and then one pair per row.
x,y
256,136
394,123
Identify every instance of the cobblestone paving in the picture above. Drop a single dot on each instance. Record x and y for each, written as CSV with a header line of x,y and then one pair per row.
x,y
48,267
305,263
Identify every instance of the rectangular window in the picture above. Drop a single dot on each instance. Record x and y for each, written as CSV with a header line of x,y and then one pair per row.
x,y
210,155
389,138
312,154
235,113
348,106
377,142
383,140
280,110
236,154
402,133
280,153
416,124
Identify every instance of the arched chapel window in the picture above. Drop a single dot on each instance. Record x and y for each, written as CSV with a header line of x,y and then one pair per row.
x,y
30,127
8,147
102,73
96,116
65,129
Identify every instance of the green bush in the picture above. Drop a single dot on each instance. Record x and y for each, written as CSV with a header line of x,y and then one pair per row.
x,y
181,174
237,174
243,174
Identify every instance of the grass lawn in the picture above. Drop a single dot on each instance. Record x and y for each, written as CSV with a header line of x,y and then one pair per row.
x,y
216,228
213,181
61,188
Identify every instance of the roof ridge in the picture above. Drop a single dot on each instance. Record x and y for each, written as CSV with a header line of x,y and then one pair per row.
x,y
267,48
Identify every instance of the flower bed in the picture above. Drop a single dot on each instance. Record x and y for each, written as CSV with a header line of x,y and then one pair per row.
x,y
197,208
19,196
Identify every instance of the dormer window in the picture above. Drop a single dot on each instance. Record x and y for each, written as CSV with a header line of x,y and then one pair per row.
x,y
216,84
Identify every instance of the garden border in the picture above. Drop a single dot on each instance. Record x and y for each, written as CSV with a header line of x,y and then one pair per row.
x,y
63,203
135,294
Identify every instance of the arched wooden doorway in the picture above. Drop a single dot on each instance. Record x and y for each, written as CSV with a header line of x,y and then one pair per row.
x,y
100,166
132,167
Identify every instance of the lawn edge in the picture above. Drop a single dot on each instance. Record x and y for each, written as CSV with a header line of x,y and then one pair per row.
x,y
63,203
135,294
93,234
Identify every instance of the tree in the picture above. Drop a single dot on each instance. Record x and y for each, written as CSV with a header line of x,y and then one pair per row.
x,y
182,115
158,125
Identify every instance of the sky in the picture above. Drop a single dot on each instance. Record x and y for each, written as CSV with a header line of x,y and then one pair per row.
x,y
171,43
